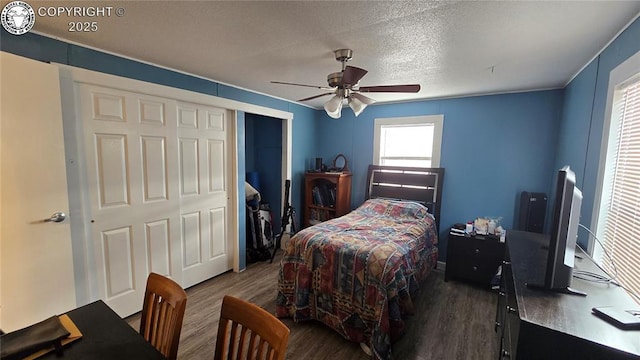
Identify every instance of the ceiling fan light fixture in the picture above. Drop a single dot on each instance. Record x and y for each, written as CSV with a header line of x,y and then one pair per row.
x,y
345,84
356,105
337,114
333,107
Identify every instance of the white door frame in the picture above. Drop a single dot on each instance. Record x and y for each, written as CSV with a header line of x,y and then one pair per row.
x,y
83,252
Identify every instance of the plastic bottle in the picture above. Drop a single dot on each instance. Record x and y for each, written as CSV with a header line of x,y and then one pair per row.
x,y
492,227
469,228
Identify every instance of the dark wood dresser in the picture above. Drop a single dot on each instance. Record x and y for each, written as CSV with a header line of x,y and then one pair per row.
x,y
536,324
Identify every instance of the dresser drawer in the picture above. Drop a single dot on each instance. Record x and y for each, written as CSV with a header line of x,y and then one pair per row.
x,y
476,270
474,259
511,316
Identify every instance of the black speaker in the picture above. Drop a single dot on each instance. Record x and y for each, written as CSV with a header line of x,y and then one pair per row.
x,y
533,209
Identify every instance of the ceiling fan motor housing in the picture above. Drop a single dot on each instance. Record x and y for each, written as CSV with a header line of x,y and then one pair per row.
x,y
343,55
335,79
345,85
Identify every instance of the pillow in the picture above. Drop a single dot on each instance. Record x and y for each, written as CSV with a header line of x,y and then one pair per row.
x,y
394,208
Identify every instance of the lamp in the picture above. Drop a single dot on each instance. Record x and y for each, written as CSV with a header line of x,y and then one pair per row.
x,y
356,105
333,107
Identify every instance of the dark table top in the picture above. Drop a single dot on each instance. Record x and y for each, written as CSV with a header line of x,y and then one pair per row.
x,y
567,314
105,336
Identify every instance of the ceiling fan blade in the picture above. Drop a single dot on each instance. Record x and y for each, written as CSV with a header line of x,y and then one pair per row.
x,y
413,88
311,86
362,98
351,75
316,96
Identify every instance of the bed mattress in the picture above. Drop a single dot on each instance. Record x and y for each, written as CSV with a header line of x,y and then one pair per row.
x,y
357,273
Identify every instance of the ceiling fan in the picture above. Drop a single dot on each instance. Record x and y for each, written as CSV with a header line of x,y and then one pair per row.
x,y
345,85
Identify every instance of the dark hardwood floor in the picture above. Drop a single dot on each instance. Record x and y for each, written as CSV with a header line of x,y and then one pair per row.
x,y
453,320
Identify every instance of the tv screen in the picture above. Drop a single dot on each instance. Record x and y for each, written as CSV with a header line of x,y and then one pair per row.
x,y
563,236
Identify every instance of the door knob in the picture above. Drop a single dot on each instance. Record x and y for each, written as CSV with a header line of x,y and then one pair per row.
x,y
56,217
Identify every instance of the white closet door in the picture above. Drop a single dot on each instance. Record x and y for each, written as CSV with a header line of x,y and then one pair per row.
x,y
132,178
205,180
159,180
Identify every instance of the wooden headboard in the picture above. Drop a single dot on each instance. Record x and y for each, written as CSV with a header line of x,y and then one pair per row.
x,y
423,185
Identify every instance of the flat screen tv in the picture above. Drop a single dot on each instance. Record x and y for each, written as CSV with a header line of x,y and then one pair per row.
x,y
563,235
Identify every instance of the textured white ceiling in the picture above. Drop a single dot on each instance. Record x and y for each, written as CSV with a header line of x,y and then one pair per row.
x,y
451,48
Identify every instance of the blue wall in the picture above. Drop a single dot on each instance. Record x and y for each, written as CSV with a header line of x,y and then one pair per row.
x,y
493,147
496,146
583,118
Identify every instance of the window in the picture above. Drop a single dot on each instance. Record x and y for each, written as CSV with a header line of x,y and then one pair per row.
x,y
408,141
619,213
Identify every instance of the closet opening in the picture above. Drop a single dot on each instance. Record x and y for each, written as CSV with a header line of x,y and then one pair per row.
x,y
264,167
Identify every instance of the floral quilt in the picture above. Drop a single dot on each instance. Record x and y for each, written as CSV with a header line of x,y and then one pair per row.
x,y
357,273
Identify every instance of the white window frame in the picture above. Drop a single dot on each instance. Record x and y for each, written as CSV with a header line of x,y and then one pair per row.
x,y
436,120
617,78
624,248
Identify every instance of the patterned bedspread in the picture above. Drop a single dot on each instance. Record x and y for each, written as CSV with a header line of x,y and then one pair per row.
x,y
357,273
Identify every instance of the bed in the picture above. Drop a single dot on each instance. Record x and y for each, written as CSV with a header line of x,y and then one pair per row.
x,y
357,273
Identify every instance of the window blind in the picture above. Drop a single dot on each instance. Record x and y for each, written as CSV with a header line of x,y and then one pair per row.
x,y
621,235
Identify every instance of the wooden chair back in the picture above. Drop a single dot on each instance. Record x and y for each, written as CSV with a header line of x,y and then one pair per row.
x,y
163,309
246,331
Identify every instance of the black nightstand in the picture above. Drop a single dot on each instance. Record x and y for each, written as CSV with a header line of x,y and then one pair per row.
x,y
473,258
